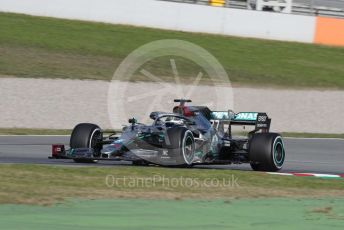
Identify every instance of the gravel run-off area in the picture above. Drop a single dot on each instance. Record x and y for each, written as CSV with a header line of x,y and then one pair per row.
x,y
61,104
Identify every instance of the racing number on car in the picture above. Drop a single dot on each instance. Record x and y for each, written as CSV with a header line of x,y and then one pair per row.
x,y
262,121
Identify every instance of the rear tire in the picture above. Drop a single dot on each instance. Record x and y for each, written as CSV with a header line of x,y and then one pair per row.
x,y
181,145
86,135
266,152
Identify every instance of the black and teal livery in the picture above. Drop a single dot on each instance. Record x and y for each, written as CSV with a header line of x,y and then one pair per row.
x,y
187,136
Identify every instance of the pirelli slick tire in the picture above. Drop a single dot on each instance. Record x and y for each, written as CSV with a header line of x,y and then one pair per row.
x,y
180,144
86,135
266,152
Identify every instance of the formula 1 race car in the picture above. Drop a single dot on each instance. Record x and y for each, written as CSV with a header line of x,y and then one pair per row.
x,y
189,135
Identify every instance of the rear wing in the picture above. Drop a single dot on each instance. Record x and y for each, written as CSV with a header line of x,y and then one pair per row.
x,y
257,119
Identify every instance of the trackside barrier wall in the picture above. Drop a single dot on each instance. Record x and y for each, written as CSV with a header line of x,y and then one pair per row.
x,y
188,17
329,31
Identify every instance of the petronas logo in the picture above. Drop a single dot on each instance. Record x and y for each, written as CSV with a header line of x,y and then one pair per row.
x,y
246,116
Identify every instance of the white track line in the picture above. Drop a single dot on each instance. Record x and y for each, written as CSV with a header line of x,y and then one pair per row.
x,y
319,175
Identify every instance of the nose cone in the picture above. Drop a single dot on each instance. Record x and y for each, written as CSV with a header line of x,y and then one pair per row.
x,y
112,149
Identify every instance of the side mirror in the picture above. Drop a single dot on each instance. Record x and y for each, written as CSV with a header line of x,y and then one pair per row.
x,y
132,121
153,115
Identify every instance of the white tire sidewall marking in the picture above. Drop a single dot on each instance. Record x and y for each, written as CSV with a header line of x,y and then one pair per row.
x,y
183,147
273,151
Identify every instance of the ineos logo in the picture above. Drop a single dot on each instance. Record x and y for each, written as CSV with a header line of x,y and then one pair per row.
x,y
262,119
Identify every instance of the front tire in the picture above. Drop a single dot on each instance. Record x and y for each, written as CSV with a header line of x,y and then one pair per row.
x,y
180,143
86,135
267,152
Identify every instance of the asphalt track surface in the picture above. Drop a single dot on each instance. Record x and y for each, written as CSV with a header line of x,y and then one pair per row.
x,y
303,155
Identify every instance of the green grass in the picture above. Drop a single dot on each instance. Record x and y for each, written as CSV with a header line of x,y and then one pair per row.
x,y
33,184
53,48
24,131
223,214
27,131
